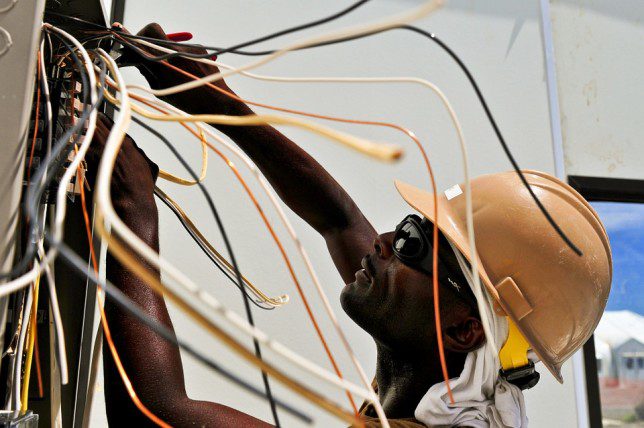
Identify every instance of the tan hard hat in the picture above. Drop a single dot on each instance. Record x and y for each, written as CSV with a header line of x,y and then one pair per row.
x,y
554,296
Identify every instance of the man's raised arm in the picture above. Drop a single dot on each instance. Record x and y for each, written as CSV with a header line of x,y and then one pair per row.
x,y
300,181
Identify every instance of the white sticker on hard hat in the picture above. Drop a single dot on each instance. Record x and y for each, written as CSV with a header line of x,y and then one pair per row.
x,y
453,192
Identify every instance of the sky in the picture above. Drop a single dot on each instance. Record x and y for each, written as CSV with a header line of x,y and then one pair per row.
x,y
624,223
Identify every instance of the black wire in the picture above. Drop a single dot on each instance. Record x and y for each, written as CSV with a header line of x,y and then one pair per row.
x,y
205,250
125,303
53,164
233,259
45,174
255,41
439,42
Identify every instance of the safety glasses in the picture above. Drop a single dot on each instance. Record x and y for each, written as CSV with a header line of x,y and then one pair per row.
x,y
412,245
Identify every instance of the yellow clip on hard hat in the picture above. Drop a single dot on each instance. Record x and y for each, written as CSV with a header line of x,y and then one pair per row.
x,y
553,297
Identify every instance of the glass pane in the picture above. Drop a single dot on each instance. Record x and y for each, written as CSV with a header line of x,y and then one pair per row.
x,y
619,338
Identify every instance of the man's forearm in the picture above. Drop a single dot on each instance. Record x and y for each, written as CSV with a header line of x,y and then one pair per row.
x,y
300,181
153,364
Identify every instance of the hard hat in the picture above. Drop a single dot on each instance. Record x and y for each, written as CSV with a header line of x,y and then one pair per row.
x,y
554,297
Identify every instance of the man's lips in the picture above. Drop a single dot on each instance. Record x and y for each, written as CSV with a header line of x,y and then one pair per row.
x,y
366,267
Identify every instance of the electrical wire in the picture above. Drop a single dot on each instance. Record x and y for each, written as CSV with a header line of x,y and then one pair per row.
x,y
298,244
280,33
112,292
310,393
431,36
37,119
277,242
266,187
43,177
33,325
419,146
106,328
436,288
313,276
204,167
240,283
401,19
17,364
116,223
80,155
231,95
455,121
218,260
56,242
125,257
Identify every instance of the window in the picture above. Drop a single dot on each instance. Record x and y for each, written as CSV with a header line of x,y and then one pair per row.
x,y
614,359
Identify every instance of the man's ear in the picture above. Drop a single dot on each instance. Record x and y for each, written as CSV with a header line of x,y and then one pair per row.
x,y
464,337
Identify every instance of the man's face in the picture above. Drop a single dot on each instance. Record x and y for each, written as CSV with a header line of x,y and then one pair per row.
x,y
392,301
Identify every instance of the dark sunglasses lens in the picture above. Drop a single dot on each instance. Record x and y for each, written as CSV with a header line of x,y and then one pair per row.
x,y
408,241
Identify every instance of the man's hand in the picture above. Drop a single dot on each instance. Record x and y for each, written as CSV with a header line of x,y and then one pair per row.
x,y
200,100
132,185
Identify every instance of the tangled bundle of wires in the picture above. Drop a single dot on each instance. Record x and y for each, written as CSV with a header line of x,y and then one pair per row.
x,y
92,69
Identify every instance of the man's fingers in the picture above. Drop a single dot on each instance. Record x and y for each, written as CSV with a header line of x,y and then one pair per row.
x,y
153,30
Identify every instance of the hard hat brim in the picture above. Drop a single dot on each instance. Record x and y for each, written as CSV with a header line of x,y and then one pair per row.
x,y
455,229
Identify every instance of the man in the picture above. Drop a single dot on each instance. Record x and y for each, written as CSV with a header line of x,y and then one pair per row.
x,y
388,281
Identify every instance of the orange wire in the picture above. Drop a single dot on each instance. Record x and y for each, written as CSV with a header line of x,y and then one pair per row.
x,y
441,348
33,140
31,157
277,241
41,391
106,328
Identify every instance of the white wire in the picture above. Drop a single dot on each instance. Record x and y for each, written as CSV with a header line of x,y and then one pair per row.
x,y
58,320
17,368
265,186
61,203
71,170
29,277
394,21
478,291
51,283
105,209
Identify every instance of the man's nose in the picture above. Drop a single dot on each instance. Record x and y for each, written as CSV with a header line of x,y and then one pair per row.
x,y
383,246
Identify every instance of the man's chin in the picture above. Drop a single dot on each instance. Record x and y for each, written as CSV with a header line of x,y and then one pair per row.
x,y
356,303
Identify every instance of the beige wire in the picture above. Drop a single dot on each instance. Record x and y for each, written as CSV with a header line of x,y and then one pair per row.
x,y
136,266
204,166
273,301
105,214
381,151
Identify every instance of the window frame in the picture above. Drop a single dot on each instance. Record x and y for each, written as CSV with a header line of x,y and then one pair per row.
x,y
601,189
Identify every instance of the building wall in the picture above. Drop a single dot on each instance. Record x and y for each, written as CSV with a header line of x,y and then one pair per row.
x,y
501,43
633,351
598,47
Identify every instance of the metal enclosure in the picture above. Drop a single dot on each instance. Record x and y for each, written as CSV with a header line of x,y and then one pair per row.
x,y
20,24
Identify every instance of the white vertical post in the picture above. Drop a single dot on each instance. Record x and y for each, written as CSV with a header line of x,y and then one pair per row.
x,y
558,153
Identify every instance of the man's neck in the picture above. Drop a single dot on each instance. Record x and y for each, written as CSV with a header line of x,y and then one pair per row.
x,y
403,379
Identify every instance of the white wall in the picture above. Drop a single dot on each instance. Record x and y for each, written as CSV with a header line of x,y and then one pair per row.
x,y
598,49
500,41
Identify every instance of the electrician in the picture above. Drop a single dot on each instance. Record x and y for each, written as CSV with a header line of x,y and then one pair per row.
x,y
542,299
